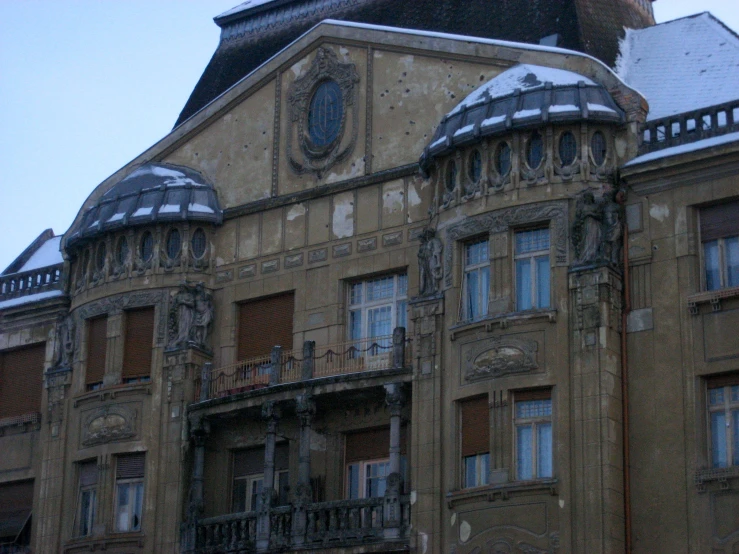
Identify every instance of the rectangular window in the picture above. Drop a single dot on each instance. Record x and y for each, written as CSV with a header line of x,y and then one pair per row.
x,y
97,344
367,458
720,238
533,435
129,497
475,442
532,269
723,411
255,317
16,502
248,478
476,285
86,498
138,344
21,380
377,306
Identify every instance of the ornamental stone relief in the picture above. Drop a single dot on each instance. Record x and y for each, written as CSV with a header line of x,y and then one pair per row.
x,y
500,356
500,221
323,108
109,424
190,317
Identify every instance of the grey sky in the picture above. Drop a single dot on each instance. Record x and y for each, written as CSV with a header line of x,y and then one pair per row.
x,y
86,85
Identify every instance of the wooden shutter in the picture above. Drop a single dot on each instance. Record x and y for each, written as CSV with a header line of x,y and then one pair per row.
x,y
475,426
251,461
130,466
16,502
719,221
138,343
265,323
21,380
97,344
372,444
88,473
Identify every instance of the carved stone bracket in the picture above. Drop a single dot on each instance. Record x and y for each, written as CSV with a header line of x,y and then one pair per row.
x,y
500,221
312,158
394,398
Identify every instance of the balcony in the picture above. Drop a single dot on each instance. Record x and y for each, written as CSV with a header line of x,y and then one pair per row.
x,y
291,366
27,283
335,524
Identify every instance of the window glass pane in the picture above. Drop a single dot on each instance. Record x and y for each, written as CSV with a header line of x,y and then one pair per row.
x,y
534,408
710,254
353,481
524,463
732,261
470,471
718,437
256,494
356,294
238,502
735,436
484,468
716,396
476,253
379,322
87,512
402,316
544,447
542,282
402,284
376,479
523,284
471,291
123,521
379,289
138,506
735,393
355,324
532,241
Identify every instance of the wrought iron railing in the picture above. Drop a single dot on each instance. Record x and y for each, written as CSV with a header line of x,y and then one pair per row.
x,y
26,283
690,127
287,366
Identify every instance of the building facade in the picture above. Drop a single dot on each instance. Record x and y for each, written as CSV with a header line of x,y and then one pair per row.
x,y
394,291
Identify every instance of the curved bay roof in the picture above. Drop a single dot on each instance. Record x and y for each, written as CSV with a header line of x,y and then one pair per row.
x,y
523,97
152,193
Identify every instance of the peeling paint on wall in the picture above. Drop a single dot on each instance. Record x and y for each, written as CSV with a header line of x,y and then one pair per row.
x,y
343,216
298,210
660,212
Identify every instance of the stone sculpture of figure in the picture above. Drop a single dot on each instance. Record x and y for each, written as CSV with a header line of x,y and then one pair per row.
x,y
587,231
203,315
181,317
613,230
429,263
65,343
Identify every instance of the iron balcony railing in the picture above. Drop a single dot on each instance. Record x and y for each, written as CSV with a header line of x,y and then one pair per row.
x,y
26,283
688,127
288,366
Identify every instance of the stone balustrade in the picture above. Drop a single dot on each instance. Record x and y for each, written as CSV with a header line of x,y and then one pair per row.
x,y
26,283
688,127
328,524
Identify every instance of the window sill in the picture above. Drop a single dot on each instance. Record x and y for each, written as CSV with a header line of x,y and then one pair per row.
x,y
491,493
503,321
111,392
720,475
713,297
112,540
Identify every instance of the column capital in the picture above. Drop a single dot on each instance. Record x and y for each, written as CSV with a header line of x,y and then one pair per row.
x,y
394,397
305,407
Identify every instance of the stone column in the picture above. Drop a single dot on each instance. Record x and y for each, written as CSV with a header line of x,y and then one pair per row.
x,y
597,438
270,414
394,398
306,409
309,348
198,435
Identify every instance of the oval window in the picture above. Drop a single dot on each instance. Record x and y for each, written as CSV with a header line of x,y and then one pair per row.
x,y
503,159
475,166
100,256
198,243
535,151
173,244
598,148
147,246
122,251
451,176
567,148
325,114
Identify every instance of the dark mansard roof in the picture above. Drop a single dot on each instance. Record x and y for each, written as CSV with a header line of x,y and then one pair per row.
x,y
523,97
153,193
256,30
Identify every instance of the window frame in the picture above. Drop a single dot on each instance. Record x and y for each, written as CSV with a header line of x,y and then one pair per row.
x,y
482,271
713,228
133,485
253,479
362,478
533,256
730,408
398,302
84,520
723,268
534,422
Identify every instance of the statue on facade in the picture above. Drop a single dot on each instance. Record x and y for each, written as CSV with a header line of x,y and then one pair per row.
x,y
190,317
65,343
430,269
598,228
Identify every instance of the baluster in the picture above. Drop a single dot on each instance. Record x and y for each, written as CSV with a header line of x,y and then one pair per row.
x,y
311,522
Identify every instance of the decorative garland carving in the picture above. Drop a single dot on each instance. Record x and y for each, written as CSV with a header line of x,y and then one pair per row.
x,y
109,424
500,221
500,356
325,67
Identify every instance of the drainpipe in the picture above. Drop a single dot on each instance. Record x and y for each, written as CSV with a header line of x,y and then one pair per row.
x,y
625,382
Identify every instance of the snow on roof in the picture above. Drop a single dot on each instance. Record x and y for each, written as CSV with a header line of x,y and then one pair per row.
x,y
685,148
30,298
249,4
524,77
681,65
47,254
